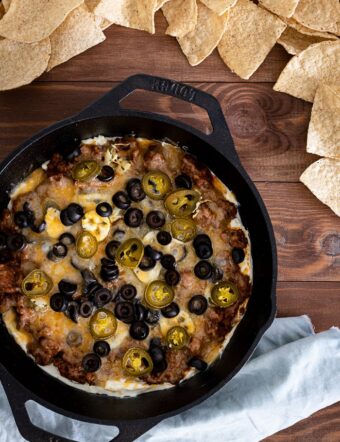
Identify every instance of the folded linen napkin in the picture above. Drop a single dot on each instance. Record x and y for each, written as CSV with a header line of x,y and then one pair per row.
x,y
292,374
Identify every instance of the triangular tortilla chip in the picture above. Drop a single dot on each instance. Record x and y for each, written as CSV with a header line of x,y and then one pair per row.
x,y
319,63
219,6
323,179
75,35
181,16
250,34
291,22
23,62
295,42
136,14
199,43
324,128
321,15
285,8
29,21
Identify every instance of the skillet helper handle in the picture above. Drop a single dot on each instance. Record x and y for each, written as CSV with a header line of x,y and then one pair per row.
x,y
219,138
17,396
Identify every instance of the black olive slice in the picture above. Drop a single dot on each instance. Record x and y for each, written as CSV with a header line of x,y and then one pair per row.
x,y
139,330
124,311
203,270
101,348
197,363
128,291
183,181
111,249
68,288
171,311
164,238
59,250
16,242
86,309
104,209
135,190
102,296
121,200
152,317
155,219
106,174
91,363
238,255
21,219
198,304
147,263
58,302
74,212
172,277
152,253
204,250
168,262
133,217
72,311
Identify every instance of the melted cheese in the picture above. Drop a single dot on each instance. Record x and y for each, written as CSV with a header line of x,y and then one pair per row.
x,y
29,184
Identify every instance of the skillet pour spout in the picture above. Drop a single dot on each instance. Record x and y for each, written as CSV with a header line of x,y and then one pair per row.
x,y
23,380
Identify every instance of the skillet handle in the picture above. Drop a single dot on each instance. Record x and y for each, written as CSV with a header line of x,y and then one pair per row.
x,y
18,395
220,137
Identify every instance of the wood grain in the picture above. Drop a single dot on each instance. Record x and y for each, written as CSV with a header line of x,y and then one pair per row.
x,y
318,300
269,128
307,233
127,51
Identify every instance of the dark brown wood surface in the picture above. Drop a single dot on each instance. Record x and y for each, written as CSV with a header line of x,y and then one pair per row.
x,y
269,130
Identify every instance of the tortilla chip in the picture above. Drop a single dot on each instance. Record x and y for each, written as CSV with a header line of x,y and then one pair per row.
x,y
181,16
250,34
324,128
323,179
321,15
101,21
199,43
285,8
136,14
75,35
6,4
29,21
291,22
295,42
160,4
219,6
319,63
23,62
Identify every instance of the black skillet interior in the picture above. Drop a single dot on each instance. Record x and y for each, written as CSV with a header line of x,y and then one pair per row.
x,y
217,152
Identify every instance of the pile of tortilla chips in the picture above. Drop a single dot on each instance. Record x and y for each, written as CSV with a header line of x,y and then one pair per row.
x,y
36,35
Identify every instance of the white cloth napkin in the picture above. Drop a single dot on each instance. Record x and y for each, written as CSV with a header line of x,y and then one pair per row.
x,y
292,374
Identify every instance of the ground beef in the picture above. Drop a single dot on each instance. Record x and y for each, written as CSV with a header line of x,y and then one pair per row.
x,y
58,165
73,371
177,366
10,278
44,350
235,237
154,160
215,214
6,222
199,173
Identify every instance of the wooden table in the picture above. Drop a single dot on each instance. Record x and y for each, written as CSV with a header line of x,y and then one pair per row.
x,y
269,130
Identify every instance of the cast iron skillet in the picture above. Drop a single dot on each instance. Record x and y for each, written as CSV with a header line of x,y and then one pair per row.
x,y
23,380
